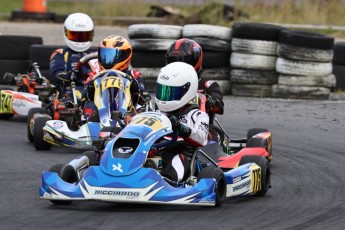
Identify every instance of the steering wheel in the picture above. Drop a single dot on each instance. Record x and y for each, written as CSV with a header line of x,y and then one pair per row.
x,y
167,143
85,60
103,72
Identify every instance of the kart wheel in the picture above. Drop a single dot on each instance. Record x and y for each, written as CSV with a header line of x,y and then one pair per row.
x,y
66,173
265,171
93,157
31,113
150,164
39,142
218,175
254,131
259,142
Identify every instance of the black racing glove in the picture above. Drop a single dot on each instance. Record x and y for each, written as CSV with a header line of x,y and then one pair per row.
x,y
175,124
183,130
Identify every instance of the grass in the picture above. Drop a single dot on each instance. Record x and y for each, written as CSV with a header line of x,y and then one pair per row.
x,y
330,12
317,12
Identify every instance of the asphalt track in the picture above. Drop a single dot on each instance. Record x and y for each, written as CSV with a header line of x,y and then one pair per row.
x,y
307,177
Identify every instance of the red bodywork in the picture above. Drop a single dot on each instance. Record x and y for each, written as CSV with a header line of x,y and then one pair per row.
x,y
231,161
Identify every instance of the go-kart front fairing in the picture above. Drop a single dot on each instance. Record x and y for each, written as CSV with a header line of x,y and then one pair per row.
x,y
121,176
58,133
111,94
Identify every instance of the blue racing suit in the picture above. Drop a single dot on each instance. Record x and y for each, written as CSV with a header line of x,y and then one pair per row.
x,y
62,62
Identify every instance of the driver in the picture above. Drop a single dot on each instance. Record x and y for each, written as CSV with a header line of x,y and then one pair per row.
x,y
115,52
78,36
190,52
177,85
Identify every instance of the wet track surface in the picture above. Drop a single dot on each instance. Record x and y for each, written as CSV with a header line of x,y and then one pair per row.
x,y
307,177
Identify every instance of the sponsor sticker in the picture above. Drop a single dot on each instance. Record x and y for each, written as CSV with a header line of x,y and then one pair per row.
x,y
125,150
129,195
236,179
243,185
57,124
164,77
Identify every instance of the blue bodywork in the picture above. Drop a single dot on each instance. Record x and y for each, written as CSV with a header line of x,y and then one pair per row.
x,y
125,180
121,177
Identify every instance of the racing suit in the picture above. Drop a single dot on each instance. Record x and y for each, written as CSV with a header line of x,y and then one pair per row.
x,y
137,88
62,62
192,125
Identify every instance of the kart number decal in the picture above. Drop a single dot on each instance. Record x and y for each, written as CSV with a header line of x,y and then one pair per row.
x,y
256,176
154,123
5,102
111,82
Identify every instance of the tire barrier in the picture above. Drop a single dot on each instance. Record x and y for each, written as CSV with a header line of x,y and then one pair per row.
x,y
154,31
14,55
339,65
304,65
150,43
215,42
13,66
249,59
253,59
149,77
17,47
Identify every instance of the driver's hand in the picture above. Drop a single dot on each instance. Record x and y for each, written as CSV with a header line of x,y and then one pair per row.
x,y
88,78
174,122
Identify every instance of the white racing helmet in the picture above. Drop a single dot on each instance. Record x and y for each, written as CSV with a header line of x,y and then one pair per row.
x,y
78,32
177,84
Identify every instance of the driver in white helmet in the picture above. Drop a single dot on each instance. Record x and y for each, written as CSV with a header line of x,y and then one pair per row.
x,y
177,86
78,36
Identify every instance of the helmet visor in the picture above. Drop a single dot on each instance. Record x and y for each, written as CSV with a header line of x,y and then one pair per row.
x,y
109,57
191,59
79,36
171,93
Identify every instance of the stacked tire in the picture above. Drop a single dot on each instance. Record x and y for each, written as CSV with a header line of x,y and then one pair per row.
x,y
253,59
304,65
14,55
339,65
215,42
150,43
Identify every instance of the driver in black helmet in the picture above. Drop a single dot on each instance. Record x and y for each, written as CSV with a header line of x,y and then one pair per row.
x,y
189,51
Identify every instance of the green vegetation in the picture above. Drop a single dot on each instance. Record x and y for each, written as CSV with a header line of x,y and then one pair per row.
x,y
8,6
106,8
317,12
329,12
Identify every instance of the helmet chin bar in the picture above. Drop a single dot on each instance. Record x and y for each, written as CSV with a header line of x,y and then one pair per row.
x,y
78,46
